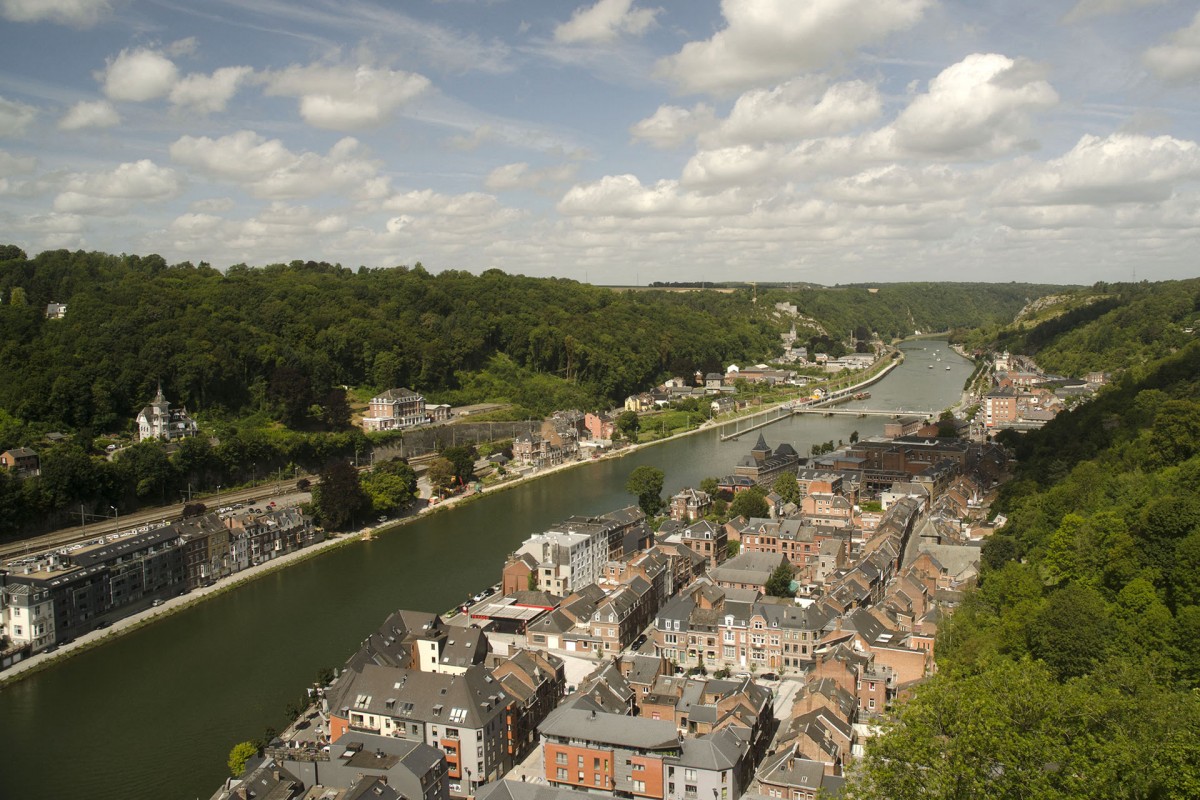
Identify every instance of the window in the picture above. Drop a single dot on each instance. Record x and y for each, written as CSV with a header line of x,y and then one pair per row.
x,y
690,775
871,703
579,762
595,763
560,758
562,773
639,786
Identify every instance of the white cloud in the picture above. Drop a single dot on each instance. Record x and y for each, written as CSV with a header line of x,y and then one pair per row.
x,y
346,97
427,201
15,117
278,231
270,170
898,185
182,47
1179,58
766,40
979,107
799,108
138,75
1120,168
213,205
604,21
624,196
116,191
520,176
1086,9
731,166
671,126
79,13
89,114
479,136
15,165
205,94
54,223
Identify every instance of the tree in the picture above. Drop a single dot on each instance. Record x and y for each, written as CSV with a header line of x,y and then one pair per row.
x,y
339,498
709,486
988,735
853,437
291,391
462,459
441,474
780,582
239,755
390,486
629,424
787,488
1072,632
646,484
750,503
947,426
1175,435
335,411
193,510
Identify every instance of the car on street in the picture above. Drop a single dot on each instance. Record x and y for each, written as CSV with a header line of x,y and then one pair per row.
x,y
639,641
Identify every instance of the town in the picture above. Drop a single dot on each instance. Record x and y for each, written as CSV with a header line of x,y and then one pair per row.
x,y
52,597
753,657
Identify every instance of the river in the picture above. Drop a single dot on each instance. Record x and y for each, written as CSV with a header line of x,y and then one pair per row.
x,y
153,714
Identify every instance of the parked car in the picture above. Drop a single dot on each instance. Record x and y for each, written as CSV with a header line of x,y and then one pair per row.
x,y
639,641
769,676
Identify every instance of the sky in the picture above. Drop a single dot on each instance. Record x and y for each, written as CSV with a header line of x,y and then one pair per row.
x,y
612,141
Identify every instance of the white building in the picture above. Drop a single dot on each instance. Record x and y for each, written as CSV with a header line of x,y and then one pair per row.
x,y
26,616
568,559
159,421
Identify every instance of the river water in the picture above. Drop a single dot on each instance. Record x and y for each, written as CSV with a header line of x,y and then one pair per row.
x,y
153,714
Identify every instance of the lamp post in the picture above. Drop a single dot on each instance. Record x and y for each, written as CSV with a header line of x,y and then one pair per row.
x,y
117,518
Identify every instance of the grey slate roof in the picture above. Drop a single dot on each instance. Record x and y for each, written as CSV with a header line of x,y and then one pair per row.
x,y
720,750
640,733
422,696
521,790
752,568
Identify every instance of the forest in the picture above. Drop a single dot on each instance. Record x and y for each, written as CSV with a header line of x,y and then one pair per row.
x,y
1106,327
278,339
1073,670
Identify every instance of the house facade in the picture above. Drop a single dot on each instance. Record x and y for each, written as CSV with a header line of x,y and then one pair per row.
x,y
395,408
159,421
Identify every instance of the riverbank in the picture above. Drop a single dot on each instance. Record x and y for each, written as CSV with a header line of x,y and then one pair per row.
x,y
88,641
46,659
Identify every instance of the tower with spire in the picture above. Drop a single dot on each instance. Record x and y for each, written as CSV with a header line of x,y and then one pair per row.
x,y
158,421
